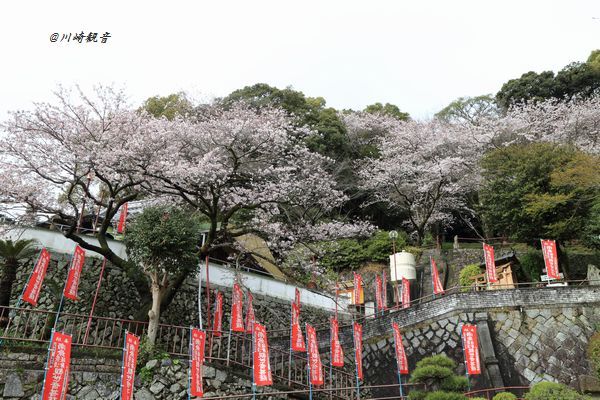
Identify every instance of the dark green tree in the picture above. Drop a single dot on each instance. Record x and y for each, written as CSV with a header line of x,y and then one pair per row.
x,y
538,190
176,104
162,241
469,109
436,374
12,253
387,109
530,86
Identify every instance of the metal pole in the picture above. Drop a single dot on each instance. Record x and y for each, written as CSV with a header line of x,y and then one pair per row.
x,y
331,355
46,366
290,356
200,296
89,324
12,314
191,356
310,394
253,366
123,365
207,296
432,284
62,297
356,363
396,293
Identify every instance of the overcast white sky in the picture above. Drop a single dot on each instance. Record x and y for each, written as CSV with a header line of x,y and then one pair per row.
x,y
417,54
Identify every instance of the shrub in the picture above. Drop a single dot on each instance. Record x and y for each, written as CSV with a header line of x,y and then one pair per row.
x,y
417,395
455,383
553,391
438,395
593,352
532,263
438,360
505,396
436,373
466,275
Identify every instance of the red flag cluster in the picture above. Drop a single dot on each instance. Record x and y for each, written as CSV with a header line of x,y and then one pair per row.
x,y
435,276
490,263
297,339
550,258
70,291
471,349
130,354
237,320
34,285
337,353
197,345
58,366
358,349
262,365
405,293
400,353
314,358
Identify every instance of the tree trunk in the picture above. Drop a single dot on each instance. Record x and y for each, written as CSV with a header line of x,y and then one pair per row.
x,y
6,283
154,313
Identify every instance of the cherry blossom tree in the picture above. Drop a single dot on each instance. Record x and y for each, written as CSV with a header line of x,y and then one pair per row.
x,y
423,169
244,169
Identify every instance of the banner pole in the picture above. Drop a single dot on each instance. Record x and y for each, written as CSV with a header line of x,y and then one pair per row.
x,y
356,363
207,295
432,284
191,356
331,358
290,355
123,365
200,296
399,374
13,313
47,360
253,366
89,324
310,394
462,338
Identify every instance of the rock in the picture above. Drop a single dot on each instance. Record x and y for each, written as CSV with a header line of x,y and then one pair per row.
x,y
176,387
151,364
13,387
157,387
143,394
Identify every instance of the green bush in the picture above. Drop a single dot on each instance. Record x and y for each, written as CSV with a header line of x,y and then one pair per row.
x,y
593,352
553,391
466,275
455,383
532,263
352,253
431,372
439,395
505,396
438,360
417,395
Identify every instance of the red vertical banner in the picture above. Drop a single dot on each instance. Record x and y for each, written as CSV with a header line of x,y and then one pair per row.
x,y
471,349
297,338
314,358
400,353
435,276
34,285
262,365
249,314
197,355
358,349
74,274
58,366
357,289
130,354
378,293
405,293
490,263
218,315
384,287
122,219
237,301
297,298
550,258
337,353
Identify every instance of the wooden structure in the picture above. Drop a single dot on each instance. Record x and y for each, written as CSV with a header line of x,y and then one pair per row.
x,y
346,290
505,272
